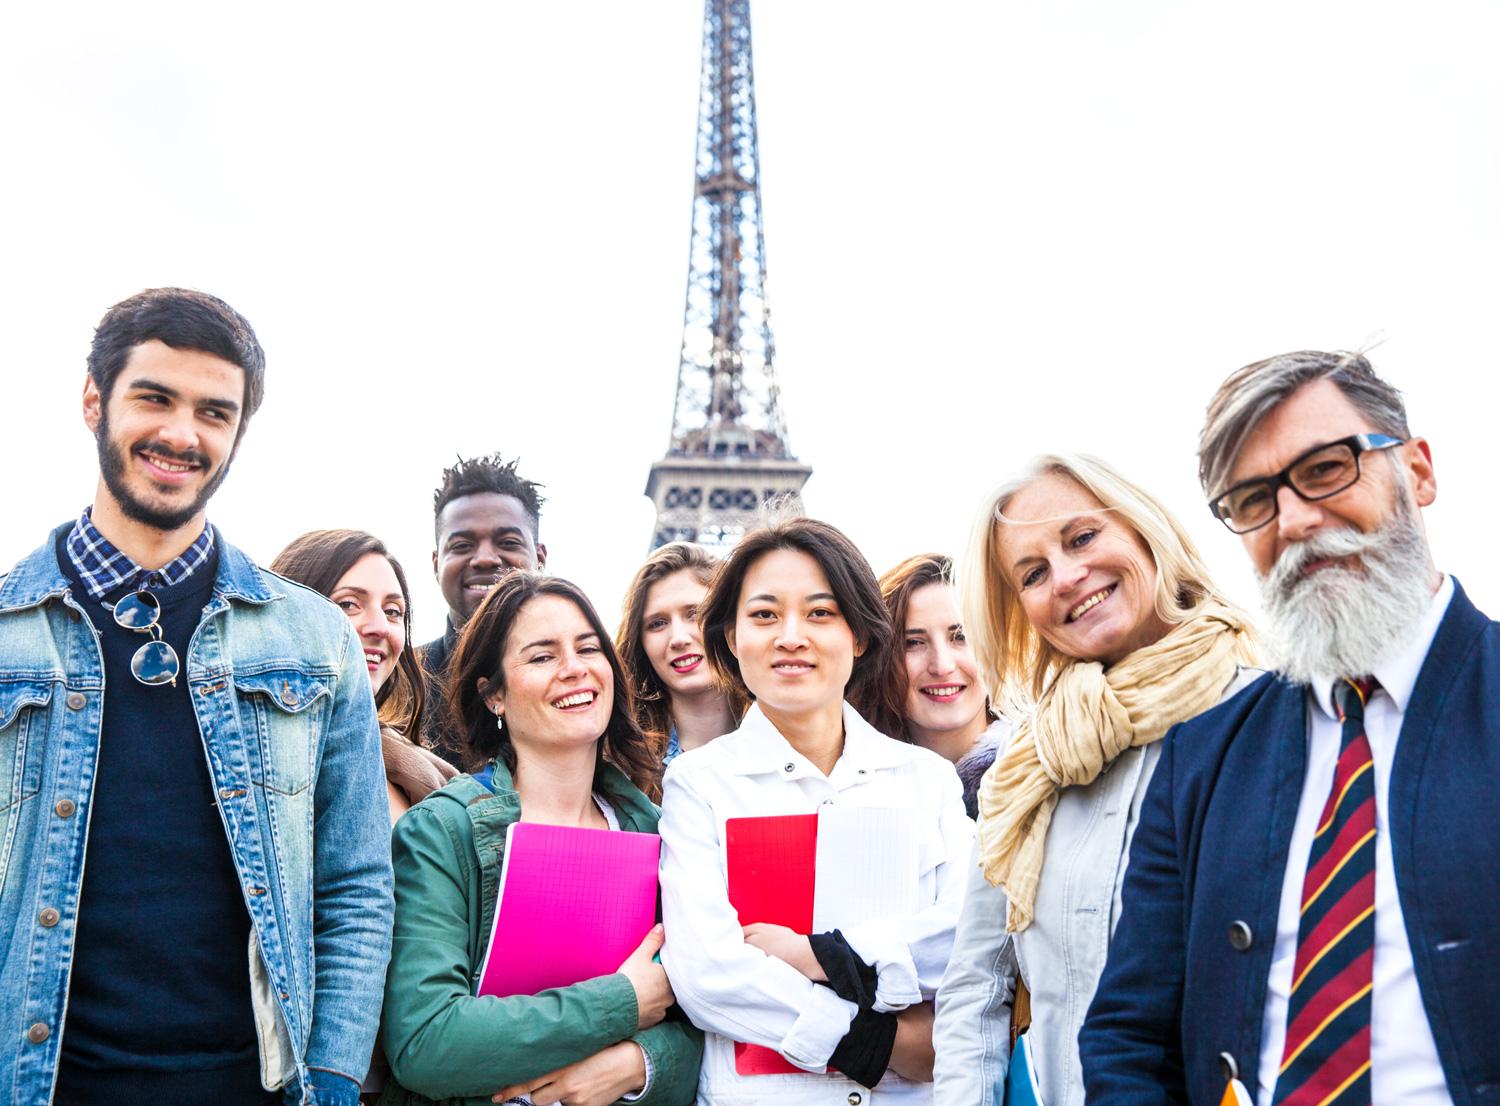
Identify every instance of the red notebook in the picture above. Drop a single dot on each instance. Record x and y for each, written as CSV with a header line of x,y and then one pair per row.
x,y
813,873
772,869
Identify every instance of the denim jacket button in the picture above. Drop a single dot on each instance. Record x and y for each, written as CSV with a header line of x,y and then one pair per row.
x,y
288,696
855,1099
77,700
38,1033
64,808
49,917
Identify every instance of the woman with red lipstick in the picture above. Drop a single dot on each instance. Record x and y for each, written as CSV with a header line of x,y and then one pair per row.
x,y
1094,619
795,622
357,572
933,695
677,703
538,694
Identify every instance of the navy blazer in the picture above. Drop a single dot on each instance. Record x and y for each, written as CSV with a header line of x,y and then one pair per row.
x,y
1210,853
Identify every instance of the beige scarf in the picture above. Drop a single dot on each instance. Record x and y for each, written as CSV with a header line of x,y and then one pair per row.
x,y
1086,718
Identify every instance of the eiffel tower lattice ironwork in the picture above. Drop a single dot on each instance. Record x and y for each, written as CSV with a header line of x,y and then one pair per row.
x,y
729,450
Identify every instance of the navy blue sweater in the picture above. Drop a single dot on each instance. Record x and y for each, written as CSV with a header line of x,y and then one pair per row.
x,y
159,997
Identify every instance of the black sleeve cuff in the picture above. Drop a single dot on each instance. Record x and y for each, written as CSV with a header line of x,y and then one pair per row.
x,y
865,1052
850,977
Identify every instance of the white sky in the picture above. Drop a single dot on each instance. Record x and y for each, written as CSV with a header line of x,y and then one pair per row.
x,y
992,229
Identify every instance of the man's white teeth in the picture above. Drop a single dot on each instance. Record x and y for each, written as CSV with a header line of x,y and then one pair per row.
x,y
1092,601
941,692
583,698
169,466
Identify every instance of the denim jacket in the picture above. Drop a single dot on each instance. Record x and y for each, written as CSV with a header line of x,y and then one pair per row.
x,y
282,697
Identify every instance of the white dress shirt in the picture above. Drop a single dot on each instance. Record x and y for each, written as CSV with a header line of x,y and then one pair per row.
x,y
734,991
1404,1065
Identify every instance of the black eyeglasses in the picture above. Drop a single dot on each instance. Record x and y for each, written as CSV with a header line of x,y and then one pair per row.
x,y
1322,471
155,662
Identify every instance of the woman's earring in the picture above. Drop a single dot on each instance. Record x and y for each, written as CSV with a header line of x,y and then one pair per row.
x,y
500,721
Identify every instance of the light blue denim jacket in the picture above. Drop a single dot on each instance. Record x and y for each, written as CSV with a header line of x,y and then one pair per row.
x,y
1060,955
281,691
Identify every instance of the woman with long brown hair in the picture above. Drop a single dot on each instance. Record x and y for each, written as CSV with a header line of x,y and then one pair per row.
x,y
539,696
677,702
359,575
933,694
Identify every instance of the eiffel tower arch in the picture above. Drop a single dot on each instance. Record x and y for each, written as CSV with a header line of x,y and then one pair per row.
x,y
728,452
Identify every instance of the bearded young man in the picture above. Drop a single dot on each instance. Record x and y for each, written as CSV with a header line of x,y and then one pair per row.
x,y
1311,916
195,881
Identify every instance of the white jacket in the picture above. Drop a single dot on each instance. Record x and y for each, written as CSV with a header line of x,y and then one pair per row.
x,y
737,993
1060,955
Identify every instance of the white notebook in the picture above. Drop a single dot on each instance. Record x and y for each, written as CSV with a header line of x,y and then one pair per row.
x,y
866,865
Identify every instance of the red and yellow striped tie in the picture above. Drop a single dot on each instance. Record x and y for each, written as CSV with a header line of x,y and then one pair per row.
x,y
1326,1061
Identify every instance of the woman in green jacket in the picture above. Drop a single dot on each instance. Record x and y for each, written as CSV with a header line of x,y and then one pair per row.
x,y
539,694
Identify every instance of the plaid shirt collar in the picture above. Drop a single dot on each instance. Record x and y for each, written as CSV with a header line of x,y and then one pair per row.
x,y
103,568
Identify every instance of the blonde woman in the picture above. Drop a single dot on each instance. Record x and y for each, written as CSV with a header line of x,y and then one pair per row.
x,y
1094,618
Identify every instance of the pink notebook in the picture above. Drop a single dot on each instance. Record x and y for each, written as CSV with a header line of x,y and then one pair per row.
x,y
574,904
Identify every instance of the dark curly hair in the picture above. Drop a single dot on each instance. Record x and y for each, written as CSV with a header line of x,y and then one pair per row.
x,y
480,656
479,475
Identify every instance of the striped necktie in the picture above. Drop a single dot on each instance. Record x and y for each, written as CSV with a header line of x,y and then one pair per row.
x,y
1326,1061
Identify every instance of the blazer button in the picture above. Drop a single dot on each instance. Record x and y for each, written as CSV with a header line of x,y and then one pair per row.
x,y
1227,1067
855,1099
1240,936
38,1033
49,917
77,700
64,808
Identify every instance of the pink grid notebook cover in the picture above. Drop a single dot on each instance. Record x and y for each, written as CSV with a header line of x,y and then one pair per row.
x,y
574,903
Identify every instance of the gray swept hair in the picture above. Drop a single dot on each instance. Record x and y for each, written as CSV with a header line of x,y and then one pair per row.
x,y
1251,393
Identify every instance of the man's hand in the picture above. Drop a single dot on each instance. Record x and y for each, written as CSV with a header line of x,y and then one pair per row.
x,y
601,1079
786,945
653,993
912,1054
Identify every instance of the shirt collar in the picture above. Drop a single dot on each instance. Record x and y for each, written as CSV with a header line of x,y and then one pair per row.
x,y
1398,671
103,568
762,749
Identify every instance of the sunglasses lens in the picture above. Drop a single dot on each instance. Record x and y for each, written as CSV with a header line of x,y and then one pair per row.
x,y
154,663
138,612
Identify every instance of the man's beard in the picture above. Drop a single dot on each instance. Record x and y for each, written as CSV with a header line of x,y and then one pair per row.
x,y
113,465
1343,619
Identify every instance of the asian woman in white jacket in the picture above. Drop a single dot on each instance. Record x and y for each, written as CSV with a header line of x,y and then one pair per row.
x,y
795,620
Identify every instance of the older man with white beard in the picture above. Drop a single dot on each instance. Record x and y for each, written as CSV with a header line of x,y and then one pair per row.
x,y
1311,915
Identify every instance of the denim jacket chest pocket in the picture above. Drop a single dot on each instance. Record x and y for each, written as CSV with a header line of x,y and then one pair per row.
x,y
23,725
283,713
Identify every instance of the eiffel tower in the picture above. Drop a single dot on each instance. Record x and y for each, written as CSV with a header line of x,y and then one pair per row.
x,y
729,451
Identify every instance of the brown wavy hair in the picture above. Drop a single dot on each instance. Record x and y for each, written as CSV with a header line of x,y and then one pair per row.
x,y
318,560
896,588
853,584
480,655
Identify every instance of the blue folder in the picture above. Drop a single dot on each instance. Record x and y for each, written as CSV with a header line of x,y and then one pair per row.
x,y
1020,1083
